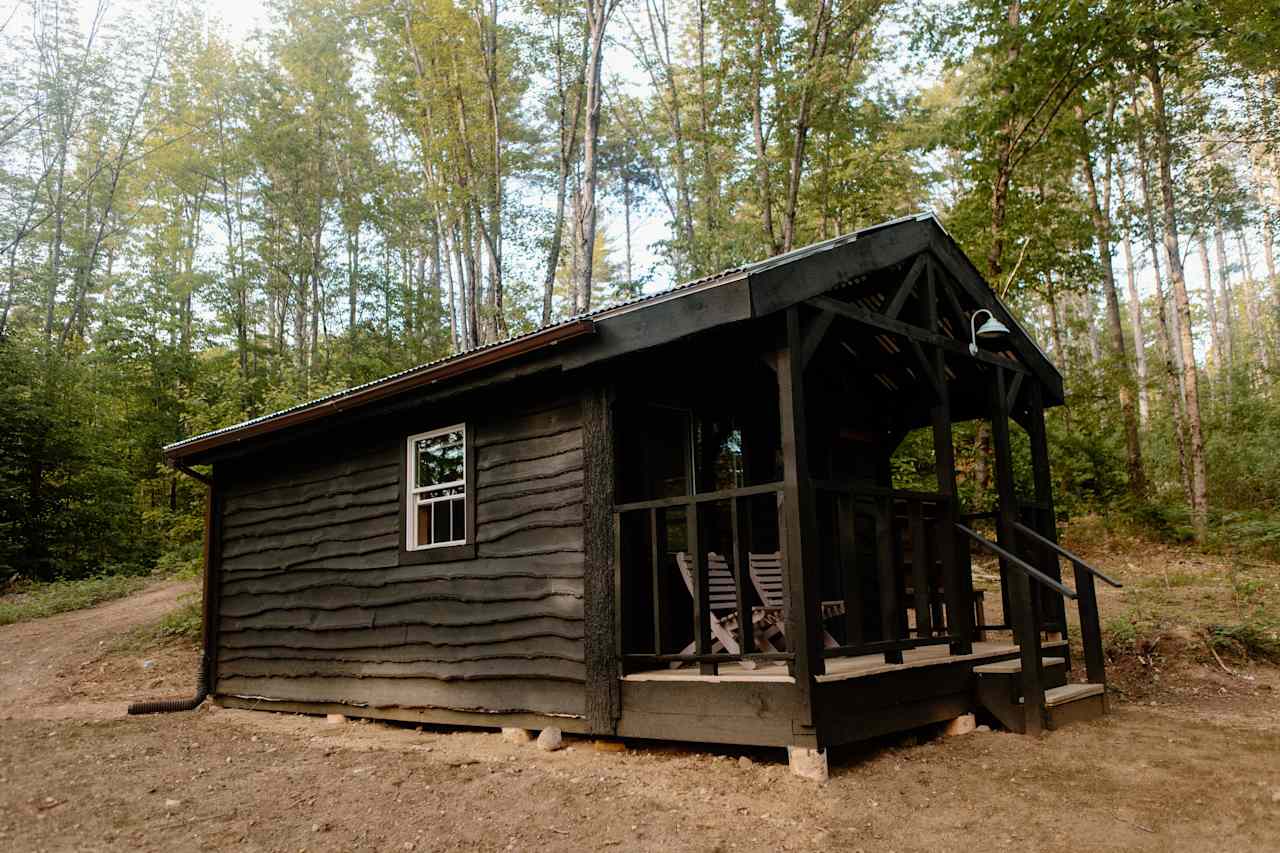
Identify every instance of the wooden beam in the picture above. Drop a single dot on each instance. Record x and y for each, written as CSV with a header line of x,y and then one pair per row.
x,y
879,321
799,516
907,287
600,576
1015,388
814,333
957,575
1025,619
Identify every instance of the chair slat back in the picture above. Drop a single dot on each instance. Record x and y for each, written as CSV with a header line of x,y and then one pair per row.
x,y
722,591
766,577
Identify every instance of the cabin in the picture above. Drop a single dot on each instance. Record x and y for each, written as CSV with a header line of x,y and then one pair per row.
x,y
674,518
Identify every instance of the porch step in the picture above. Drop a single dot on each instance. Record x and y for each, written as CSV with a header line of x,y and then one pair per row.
x,y
1074,703
1014,667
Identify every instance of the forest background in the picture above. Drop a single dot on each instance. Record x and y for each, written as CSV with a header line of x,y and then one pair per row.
x,y
204,218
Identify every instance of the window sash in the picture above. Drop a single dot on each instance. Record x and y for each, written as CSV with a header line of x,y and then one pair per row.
x,y
434,494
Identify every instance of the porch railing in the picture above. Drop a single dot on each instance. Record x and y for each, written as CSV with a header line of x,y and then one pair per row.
x,y
927,520
740,533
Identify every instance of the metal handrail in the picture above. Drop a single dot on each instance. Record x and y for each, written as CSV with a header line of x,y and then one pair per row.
x,y
1018,563
1044,540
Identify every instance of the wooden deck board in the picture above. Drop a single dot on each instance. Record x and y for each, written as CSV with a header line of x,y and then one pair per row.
x,y
838,669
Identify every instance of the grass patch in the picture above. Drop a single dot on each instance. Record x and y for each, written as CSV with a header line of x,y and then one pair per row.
x,y
35,600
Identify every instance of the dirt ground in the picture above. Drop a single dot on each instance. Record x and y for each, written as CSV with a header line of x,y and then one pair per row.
x,y
1189,760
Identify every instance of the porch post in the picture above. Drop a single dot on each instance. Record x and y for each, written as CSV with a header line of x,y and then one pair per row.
x,y
957,578
1022,616
799,515
602,597
1046,524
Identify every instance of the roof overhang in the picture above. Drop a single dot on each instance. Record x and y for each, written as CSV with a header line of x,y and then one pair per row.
x,y
363,395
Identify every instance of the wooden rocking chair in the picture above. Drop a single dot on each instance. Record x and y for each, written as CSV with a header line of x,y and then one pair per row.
x,y
766,577
723,610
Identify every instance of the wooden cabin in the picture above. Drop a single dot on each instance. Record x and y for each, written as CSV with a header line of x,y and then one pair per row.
x,y
673,519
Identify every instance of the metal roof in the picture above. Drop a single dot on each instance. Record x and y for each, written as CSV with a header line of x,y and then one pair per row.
x,y
511,347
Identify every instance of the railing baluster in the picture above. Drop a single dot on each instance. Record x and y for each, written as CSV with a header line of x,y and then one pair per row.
x,y
889,614
657,552
1027,631
741,533
701,592
920,568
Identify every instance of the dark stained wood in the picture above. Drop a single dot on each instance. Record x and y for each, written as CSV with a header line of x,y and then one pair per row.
x,y
740,533
600,584
850,574
907,287
757,713
799,514
879,321
920,557
888,578
315,592
1024,618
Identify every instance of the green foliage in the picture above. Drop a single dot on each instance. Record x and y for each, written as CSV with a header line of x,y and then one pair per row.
x,y
32,600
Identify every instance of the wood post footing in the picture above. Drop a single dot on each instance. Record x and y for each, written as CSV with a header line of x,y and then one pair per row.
x,y
808,763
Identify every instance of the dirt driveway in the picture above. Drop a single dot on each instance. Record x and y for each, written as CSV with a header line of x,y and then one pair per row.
x,y
1197,770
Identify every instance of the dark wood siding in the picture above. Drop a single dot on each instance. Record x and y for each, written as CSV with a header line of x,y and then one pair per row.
x,y
317,607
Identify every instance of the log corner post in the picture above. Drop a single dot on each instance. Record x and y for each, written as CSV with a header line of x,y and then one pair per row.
x,y
601,595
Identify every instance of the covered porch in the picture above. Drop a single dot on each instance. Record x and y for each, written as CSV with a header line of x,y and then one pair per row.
x,y
763,541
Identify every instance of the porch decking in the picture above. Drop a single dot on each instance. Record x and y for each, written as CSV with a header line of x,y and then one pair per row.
x,y
842,668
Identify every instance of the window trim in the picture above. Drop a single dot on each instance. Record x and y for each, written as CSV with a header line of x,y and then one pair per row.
x,y
409,490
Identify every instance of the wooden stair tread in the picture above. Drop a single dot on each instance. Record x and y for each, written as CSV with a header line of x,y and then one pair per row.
x,y
1068,693
1012,667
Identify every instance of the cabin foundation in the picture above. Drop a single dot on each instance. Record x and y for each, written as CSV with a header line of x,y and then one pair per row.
x,y
808,763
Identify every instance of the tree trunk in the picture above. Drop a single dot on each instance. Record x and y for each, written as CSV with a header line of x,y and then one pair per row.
x,y
1226,302
1195,434
1210,303
818,38
1135,319
1100,213
598,19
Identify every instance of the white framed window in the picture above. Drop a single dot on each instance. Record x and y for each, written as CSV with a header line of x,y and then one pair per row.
x,y
436,494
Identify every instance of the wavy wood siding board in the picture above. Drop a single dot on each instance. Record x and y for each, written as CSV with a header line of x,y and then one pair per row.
x,y
387,557
292,582
320,477
310,518
508,509
439,636
495,696
530,648
568,607
533,423
448,671
544,468
510,452
552,566
490,492
341,596
237,544
310,555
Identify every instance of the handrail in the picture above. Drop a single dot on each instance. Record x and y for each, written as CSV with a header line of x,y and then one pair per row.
x,y
1017,562
1044,540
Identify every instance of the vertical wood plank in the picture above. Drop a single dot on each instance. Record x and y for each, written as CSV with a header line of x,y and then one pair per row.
x,y
1025,620
1042,476
847,538
889,611
601,598
920,568
213,511
656,555
801,552
740,530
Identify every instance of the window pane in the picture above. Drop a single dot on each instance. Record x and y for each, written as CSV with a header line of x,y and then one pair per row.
x,y
459,519
424,524
440,527
440,458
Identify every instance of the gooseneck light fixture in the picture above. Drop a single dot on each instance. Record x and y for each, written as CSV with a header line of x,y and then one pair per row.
x,y
992,328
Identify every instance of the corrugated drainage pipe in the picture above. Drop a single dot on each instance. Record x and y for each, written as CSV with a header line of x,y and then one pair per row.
x,y
164,706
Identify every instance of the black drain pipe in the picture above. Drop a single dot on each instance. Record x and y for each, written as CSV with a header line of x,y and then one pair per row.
x,y
209,610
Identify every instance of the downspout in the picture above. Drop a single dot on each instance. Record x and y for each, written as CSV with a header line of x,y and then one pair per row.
x,y
209,615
